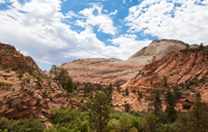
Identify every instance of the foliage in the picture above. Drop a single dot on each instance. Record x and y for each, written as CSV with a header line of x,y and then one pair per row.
x,y
196,120
121,122
62,76
70,120
156,102
150,123
99,109
24,125
170,110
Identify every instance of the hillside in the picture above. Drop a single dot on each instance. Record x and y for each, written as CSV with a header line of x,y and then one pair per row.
x,y
101,71
156,50
186,71
25,91
28,92
118,72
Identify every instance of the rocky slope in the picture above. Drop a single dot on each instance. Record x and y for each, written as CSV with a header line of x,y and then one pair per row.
x,y
101,71
117,72
156,50
186,70
24,90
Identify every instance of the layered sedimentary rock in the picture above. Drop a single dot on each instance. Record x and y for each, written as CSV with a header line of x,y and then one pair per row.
x,y
25,91
186,71
117,72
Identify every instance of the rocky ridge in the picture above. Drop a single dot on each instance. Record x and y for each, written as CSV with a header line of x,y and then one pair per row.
x,y
185,70
118,72
25,91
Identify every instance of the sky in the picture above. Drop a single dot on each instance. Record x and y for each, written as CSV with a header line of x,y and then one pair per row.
x,y
58,31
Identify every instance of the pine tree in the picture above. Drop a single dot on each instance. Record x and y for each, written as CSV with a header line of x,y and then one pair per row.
x,y
157,103
199,116
99,109
170,110
61,75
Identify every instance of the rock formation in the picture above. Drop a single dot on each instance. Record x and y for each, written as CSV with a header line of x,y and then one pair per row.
x,y
117,72
24,90
186,71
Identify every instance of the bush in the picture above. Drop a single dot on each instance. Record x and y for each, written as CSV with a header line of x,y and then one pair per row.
x,y
61,75
150,123
25,125
120,121
70,120
167,128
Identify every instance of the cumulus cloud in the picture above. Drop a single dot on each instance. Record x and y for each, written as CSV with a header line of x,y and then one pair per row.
x,y
2,1
182,19
95,17
129,42
37,28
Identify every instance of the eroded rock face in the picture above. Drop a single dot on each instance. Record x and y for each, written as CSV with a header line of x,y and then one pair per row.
x,y
24,90
101,71
156,50
10,59
117,72
186,70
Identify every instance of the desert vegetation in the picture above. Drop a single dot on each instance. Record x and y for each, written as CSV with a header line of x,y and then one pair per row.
x,y
97,115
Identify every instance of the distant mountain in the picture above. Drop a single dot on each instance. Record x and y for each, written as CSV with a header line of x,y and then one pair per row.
x,y
117,72
156,50
101,71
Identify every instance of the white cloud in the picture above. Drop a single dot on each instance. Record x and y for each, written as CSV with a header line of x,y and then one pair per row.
x,y
128,45
95,17
155,17
2,1
37,29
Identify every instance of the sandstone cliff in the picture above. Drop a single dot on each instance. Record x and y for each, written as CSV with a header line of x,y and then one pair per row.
x,y
24,90
186,70
117,72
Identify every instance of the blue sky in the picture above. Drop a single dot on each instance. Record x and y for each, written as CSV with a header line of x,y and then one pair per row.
x,y
58,31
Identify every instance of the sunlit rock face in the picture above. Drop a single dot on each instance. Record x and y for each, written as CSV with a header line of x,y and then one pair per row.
x,y
156,50
25,91
136,78
117,72
185,70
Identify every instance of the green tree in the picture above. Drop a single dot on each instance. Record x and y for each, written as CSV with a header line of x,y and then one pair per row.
x,y
70,120
170,110
150,123
196,120
157,102
99,109
199,116
61,75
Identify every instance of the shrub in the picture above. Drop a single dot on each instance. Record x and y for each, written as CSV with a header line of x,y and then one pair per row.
x,y
70,120
120,121
62,76
25,125
150,123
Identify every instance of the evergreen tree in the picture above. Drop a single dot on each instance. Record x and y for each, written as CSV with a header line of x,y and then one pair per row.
x,y
199,116
61,75
157,103
170,110
99,109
